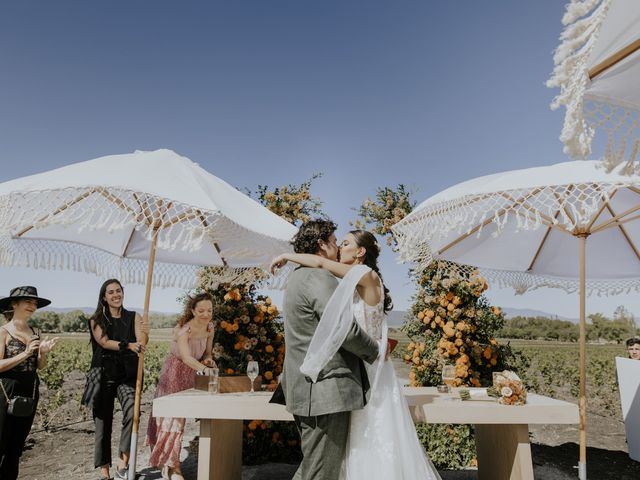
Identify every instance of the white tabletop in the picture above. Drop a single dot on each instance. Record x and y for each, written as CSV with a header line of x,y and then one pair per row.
x,y
427,405
425,402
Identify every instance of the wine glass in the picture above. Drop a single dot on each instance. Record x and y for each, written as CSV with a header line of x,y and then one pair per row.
x,y
252,372
449,377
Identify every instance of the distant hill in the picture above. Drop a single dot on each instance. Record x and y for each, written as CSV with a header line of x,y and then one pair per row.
x,y
527,312
396,318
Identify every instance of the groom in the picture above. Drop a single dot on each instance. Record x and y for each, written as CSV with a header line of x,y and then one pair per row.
x,y
321,410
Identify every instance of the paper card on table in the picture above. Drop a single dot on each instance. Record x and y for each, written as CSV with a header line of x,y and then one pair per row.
x,y
629,383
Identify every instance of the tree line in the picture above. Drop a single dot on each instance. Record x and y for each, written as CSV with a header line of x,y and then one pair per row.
x,y
600,328
78,321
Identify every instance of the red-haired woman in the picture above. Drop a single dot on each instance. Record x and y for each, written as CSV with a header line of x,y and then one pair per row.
x,y
191,351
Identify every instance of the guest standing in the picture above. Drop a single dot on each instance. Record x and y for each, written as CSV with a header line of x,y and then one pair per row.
x,y
21,354
190,352
633,348
117,337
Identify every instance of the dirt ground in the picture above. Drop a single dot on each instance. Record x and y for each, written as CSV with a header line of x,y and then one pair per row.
x,y
67,453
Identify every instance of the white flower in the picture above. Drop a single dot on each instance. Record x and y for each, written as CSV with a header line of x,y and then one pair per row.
x,y
506,392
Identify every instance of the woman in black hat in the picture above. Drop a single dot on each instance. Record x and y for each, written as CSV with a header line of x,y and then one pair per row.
x,y
21,354
117,337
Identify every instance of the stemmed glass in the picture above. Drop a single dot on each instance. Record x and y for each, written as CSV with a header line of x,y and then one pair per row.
x,y
252,372
449,377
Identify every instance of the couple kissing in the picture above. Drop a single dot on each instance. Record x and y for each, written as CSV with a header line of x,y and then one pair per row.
x,y
338,382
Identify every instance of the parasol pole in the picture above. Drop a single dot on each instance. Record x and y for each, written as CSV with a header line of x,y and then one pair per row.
x,y
133,449
582,465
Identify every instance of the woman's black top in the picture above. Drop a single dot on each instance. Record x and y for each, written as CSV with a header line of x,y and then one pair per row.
x,y
117,366
25,372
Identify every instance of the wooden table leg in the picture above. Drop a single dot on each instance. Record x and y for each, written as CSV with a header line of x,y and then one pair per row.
x,y
504,452
220,450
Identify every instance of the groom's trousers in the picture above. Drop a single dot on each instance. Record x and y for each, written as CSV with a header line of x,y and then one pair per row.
x,y
324,441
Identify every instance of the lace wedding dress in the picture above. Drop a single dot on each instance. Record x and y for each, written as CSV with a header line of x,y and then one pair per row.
x,y
382,440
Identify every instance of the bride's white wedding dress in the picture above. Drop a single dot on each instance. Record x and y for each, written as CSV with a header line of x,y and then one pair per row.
x,y
382,441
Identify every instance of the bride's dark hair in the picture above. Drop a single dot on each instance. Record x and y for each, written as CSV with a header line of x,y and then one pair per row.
x,y
368,241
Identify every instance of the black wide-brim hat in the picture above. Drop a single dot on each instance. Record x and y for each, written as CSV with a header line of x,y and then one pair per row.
x,y
22,292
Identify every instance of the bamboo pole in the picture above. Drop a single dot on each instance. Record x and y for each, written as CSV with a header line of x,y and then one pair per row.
x,y
582,465
133,450
614,59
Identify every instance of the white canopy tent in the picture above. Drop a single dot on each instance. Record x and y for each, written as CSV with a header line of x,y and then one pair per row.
x,y
530,228
598,72
148,217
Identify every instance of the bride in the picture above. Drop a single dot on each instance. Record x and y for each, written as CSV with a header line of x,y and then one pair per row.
x,y
382,441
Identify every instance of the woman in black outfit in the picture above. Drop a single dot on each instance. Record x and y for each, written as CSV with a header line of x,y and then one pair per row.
x,y
117,337
21,354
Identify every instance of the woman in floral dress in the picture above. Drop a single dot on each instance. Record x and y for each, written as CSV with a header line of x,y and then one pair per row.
x,y
190,351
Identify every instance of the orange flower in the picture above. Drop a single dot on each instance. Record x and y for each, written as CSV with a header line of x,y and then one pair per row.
x,y
268,375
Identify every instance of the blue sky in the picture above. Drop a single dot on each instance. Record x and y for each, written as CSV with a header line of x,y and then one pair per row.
x,y
369,93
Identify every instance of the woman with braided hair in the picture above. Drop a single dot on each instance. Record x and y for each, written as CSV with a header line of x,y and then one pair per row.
x,y
376,431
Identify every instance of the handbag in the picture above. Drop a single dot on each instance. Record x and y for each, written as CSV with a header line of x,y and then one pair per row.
x,y
20,406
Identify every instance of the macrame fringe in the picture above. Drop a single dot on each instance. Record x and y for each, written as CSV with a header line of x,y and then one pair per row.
x,y
436,223
88,208
571,74
585,113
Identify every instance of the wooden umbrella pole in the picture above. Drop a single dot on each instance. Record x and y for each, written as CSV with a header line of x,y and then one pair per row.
x,y
582,465
133,450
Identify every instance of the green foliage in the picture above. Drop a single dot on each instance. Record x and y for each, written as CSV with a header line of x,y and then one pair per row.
x,y
450,447
76,321
49,322
554,370
67,356
539,328
294,203
599,329
616,330
389,207
163,320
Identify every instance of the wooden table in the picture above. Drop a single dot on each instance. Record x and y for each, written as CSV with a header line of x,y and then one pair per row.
x,y
502,433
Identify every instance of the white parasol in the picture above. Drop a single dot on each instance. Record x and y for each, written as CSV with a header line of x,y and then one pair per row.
x,y
146,217
598,72
530,228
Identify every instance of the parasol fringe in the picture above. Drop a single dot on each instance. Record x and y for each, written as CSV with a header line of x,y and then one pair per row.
x,y
571,74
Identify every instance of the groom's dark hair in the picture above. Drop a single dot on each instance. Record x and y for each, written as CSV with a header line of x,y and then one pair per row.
x,y
310,233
